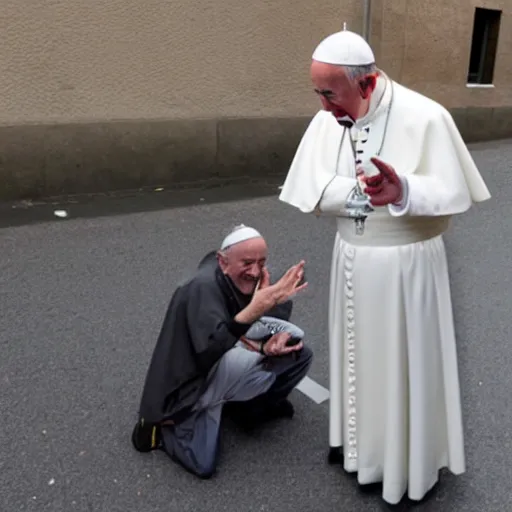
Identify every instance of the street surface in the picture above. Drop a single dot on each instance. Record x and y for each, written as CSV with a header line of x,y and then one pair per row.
x,y
82,300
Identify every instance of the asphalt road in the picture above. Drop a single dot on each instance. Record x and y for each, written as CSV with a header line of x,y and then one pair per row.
x,y
82,300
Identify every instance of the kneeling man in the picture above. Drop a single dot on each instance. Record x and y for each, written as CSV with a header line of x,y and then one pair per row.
x,y
205,358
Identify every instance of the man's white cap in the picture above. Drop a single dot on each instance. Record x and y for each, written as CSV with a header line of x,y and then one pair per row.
x,y
239,234
344,48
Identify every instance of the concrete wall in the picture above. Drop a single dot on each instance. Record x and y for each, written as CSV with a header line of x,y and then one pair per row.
x,y
105,95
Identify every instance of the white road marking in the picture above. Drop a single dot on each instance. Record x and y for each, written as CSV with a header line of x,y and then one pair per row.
x,y
313,390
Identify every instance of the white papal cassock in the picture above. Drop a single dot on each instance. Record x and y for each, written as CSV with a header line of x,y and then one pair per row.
x,y
395,401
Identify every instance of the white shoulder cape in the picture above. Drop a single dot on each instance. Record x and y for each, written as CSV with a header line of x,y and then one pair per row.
x,y
314,164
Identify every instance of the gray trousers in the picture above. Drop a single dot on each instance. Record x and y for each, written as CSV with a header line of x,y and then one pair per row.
x,y
239,376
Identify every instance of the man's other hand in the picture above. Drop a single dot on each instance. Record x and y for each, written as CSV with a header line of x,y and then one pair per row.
x,y
276,346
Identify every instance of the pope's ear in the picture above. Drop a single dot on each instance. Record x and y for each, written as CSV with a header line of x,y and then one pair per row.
x,y
364,85
367,85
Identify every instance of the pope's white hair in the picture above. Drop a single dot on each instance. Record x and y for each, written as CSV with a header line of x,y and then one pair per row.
x,y
356,73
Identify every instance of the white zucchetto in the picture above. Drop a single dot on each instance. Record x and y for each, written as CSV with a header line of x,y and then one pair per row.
x,y
344,48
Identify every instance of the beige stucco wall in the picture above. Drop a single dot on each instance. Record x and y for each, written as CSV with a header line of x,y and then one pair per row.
x,y
426,45
84,60
81,60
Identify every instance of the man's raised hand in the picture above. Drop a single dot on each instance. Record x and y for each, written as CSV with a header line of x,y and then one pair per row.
x,y
289,284
268,296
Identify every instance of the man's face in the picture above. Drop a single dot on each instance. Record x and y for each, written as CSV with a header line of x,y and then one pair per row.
x,y
244,262
340,95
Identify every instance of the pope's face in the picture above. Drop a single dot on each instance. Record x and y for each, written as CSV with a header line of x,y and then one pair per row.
x,y
244,263
339,95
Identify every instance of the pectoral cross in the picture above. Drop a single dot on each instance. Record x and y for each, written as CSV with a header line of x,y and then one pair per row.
x,y
358,204
358,207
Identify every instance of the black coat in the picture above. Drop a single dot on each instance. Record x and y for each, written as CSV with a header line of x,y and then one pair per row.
x,y
198,329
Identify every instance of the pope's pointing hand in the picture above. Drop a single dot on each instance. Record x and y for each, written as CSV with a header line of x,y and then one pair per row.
x,y
385,188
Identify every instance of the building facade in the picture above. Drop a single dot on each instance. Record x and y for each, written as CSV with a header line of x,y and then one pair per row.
x,y
128,94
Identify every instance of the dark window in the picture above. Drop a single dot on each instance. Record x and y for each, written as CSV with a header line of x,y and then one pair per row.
x,y
486,29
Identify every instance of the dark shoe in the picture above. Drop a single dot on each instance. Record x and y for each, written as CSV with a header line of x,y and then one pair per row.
x,y
335,455
146,436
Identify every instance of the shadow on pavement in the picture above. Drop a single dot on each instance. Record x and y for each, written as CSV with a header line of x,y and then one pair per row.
x,y
25,212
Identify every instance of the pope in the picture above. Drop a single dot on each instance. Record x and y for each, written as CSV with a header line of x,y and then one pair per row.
x,y
395,408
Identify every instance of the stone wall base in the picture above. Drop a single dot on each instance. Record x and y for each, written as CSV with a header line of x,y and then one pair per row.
x,y
40,161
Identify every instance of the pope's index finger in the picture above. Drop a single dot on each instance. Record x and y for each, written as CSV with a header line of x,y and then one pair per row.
x,y
382,166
